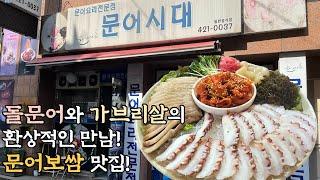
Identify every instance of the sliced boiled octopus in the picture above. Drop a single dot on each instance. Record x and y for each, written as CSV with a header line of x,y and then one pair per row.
x,y
230,131
246,163
185,156
215,156
230,163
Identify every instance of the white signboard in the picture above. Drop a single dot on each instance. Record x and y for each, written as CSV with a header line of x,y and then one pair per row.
x,y
30,6
118,22
274,15
294,66
135,94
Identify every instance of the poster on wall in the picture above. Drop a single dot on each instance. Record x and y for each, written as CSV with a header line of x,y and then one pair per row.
x,y
273,15
28,53
6,97
10,49
116,23
294,65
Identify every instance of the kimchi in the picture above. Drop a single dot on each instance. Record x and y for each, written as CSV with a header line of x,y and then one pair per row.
x,y
224,90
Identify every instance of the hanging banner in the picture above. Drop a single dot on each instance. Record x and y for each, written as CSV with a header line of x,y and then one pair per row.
x,y
294,66
6,98
28,53
10,49
116,23
135,94
273,15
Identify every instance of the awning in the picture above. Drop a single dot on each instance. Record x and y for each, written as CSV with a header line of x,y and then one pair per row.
x,y
117,54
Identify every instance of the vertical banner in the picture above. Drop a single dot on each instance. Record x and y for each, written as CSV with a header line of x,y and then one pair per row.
x,y
28,53
10,48
294,66
6,97
135,94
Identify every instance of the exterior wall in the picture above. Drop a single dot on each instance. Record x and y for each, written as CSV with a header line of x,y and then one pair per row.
x,y
276,42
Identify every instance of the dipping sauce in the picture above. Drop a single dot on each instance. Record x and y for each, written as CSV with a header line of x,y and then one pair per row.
x,y
224,90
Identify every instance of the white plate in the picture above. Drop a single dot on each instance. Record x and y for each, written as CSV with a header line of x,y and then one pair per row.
x,y
308,109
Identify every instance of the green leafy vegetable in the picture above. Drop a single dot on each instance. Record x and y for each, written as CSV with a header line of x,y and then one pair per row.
x,y
278,90
298,107
188,127
182,71
204,65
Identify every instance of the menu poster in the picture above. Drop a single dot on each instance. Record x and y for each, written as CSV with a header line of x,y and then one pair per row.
x,y
10,47
6,97
28,53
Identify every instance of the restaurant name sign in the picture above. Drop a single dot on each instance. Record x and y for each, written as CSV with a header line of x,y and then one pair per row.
x,y
32,7
116,23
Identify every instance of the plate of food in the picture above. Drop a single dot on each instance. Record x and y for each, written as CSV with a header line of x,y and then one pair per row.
x,y
241,121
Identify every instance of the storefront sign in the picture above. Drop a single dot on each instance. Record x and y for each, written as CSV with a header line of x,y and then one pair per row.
x,y
115,23
294,66
135,94
273,15
32,7
28,53
9,55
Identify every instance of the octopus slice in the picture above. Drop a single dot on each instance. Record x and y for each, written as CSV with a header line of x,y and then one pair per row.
x,y
176,147
246,131
287,150
289,118
266,111
275,156
296,142
258,127
246,164
301,133
197,161
310,120
230,131
230,163
262,162
268,122
184,157
278,109
213,162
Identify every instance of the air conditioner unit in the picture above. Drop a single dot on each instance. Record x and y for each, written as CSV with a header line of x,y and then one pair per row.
x,y
68,80
61,81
